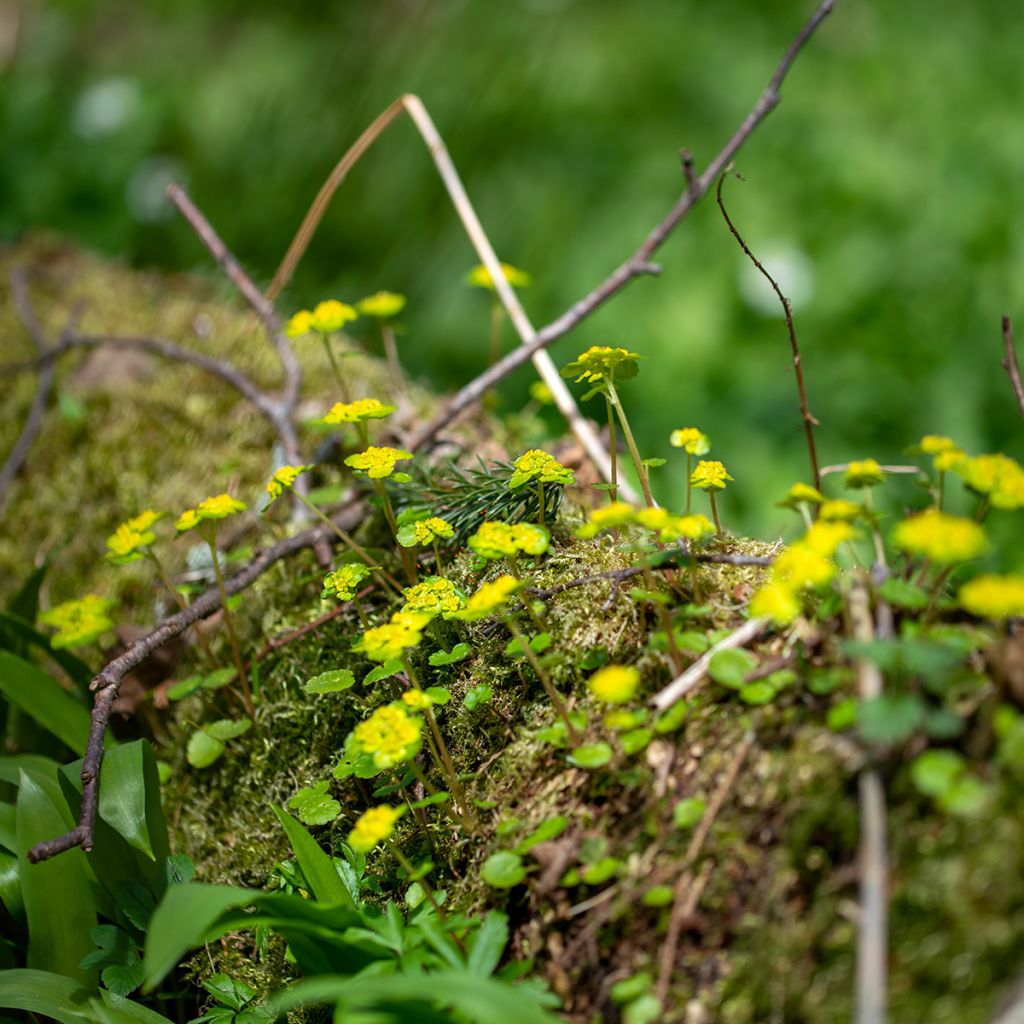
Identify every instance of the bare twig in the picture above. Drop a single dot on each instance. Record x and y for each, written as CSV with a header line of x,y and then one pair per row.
x,y
639,263
872,935
44,385
787,308
689,171
689,890
108,682
1010,364
695,674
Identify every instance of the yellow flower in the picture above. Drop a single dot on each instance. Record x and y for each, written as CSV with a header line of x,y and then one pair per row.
x,y
301,323
602,363
802,494
501,540
416,699
376,462
607,517
865,473
825,537
144,520
538,465
933,444
480,277
800,566
949,459
530,539
691,440
373,827
540,392
125,544
777,601
939,537
614,684
488,599
343,582
382,305
359,411
284,479
429,530
434,595
709,476
840,508
390,736
331,315
80,621
994,597
390,641
220,506
692,527
998,476
187,520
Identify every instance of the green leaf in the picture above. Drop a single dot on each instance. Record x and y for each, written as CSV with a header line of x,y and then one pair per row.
x,y
591,755
653,463
601,871
481,694
538,644
761,692
890,719
330,682
181,689
123,979
969,797
547,830
658,896
730,668
44,992
323,878
673,718
688,812
23,633
203,749
904,594
385,671
440,695
935,772
225,729
314,805
635,740
645,1010
59,904
628,989
41,697
218,678
843,715
458,653
503,869
441,797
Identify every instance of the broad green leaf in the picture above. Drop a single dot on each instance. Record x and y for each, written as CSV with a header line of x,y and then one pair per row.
x,y
440,695
22,630
203,749
225,729
385,671
635,740
688,812
59,905
673,718
761,692
591,755
314,804
218,678
480,694
645,1010
936,771
44,992
658,896
890,719
545,831
330,682
318,868
730,668
181,689
487,944
40,696
458,653
123,979
631,988
601,871
10,886
904,594
503,869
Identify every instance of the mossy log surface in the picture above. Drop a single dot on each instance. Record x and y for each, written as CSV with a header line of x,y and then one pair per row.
x,y
773,937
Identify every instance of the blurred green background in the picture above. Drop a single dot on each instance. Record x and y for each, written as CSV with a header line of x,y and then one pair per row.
x,y
887,189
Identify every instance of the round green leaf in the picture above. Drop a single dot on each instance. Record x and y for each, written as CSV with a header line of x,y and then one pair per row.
x,y
761,692
936,771
503,869
224,729
635,740
592,755
601,871
203,749
658,896
730,668
688,812
330,682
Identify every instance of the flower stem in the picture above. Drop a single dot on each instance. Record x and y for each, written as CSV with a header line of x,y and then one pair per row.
x,y
540,499
383,574
389,513
229,621
542,675
689,486
410,870
342,386
387,336
613,450
631,444
714,512
438,567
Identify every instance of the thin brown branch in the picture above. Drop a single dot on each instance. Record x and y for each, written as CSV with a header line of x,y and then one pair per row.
x,y
108,682
1010,364
787,308
639,262
688,890
689,171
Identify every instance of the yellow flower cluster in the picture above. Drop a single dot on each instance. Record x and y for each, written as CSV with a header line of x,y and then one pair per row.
x,y
502,540
79,622
777,601
691,440
540,392
602,362
416,699
488,599
125,544
935,444
384,643
433,596
607,517
390,736
802,494
373,827
480,277
997,476
863,473
325,318
709,476
668,527
382,305
284,479
614,684
840,508
359,411
343,582
994,597
376,462
538,465
940,537
220,506
424,531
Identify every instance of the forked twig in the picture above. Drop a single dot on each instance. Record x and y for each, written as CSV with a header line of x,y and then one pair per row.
x,y
787,308
1010,364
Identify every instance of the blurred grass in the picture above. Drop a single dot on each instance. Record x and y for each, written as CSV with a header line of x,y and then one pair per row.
x,y
891,172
